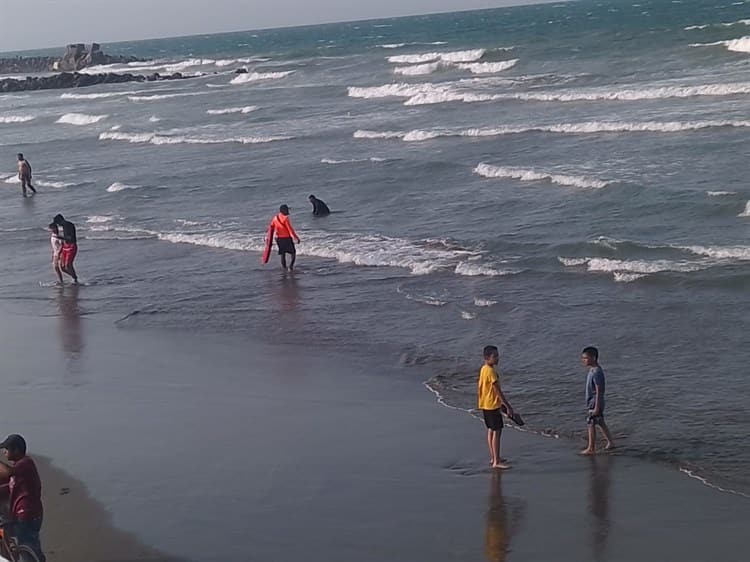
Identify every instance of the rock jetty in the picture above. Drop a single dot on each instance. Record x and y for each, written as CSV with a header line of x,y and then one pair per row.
x,y
76,57
78,80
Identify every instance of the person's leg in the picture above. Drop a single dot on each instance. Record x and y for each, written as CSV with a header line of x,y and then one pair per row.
x,y
23,186
27,533
496,439
607,435
294,259
31,187
591,447
491,445
58,271
283,260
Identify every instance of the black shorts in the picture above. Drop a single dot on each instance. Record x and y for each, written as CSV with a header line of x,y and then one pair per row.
x,y
595,420
493,419
286,246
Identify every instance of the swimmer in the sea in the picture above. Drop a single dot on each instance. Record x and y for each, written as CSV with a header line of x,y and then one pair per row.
x,y
320,209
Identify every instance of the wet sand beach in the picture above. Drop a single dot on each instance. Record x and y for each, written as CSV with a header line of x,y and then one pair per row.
x,y
213,446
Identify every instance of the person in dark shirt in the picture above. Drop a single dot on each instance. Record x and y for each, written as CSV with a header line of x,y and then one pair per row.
x,y
24,492
320,209
70,246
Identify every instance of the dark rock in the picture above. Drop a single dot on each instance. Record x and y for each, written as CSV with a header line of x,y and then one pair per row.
x,y
241,71
75,58
77,80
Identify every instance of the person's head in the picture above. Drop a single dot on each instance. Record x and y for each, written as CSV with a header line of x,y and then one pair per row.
x,y
20,156
491,355
59,219
284,209
590,356
14,447
312,198
53,228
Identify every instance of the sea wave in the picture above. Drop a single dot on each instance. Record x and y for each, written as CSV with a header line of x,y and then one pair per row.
x,y
434,93
483,302
470,269
16,118
117,186
418,69
229,110
522,174
625,270
470,55
101,95
720,193
99,219
160,139
733,253
741,45
333,161
723,24
365,134
155,97
80,119
488,67
746,212
258,76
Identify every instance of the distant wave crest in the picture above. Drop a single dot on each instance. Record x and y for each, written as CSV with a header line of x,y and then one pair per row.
x,y
522,174
80,119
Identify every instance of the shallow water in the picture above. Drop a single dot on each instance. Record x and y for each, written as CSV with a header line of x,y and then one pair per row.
x,y
591,192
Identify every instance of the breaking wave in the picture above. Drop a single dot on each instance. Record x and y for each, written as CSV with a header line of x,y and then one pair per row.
x,y
488,67
155,97
452,56
80,119
522,174
418,69
257,76
483,302
229,110
626,271
117,186
746,212
73,96
16,118
720,193
351,161
160,139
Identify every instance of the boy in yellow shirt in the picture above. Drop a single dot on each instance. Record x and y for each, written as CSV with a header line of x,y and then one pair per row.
x,y
492,401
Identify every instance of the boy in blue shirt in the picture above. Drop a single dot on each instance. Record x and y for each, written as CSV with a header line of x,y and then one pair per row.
x,y
595,386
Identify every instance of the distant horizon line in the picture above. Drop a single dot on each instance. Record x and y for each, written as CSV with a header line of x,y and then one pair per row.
x,y
520,3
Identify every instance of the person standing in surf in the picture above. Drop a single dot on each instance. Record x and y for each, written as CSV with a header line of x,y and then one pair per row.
x,y
285,236
24,174
70,246
492,401
320,209
57,243
595,386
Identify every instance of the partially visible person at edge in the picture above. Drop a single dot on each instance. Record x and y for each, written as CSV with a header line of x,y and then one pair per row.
x,y
24,493
491,401
57,244
285,236
320,209
70,246
595,387
24,174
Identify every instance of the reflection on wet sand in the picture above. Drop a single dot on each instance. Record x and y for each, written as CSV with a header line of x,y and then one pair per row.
x,y
288,292
69,313
497,536
599,504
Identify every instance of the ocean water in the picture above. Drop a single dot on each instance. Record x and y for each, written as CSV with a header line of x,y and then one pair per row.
x,y
540,177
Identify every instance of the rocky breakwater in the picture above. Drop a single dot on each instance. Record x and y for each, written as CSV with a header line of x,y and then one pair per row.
x,y
76,57
78,80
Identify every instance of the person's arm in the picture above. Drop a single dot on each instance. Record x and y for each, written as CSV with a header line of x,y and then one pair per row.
x,y
500,393
6,471
291,230
598,400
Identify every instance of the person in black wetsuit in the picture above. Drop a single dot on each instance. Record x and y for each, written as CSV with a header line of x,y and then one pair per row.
x,y
320,209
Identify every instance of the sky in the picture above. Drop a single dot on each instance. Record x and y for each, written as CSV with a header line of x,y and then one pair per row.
x,y
51,23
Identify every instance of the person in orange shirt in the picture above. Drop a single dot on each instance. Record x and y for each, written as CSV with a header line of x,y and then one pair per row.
x,y
285,236
492,401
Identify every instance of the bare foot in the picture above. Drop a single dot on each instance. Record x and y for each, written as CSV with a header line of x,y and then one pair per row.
x,y
502,459
609,446
501,466
587,452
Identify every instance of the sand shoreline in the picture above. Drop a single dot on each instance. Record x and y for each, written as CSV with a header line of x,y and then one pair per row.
x,y
209,443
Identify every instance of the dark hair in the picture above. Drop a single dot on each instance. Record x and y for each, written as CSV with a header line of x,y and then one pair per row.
x,y
311,196
58,219
20,156
591,352
14,442
53,226
490,350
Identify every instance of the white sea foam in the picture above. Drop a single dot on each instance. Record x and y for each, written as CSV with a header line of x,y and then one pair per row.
x,y
741,45
229,110
99,219
155,97
522,174
483,302
477,269
258,76
117,186
418,69
468,315
572,262
333,161
621,277
591,127
392,45
488,67
746,212
364,134
720,193
74,96
16,118
643,267
154,119
724,24
738,253
41,183
80,119
451,56
160,139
